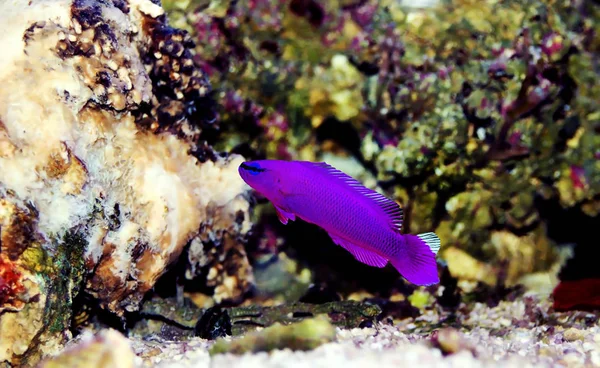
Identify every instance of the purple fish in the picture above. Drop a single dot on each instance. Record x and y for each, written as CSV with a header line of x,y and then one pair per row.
x,y
360,220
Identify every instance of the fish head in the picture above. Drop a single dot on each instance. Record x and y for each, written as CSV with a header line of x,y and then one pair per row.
x,y
264,176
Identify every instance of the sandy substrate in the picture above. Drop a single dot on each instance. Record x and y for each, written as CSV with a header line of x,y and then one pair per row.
x,y
514,334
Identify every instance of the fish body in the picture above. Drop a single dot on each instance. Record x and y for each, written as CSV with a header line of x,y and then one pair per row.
x,y
364,222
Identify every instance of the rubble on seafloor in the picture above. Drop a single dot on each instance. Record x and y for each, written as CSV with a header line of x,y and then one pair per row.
x,y
517,333
167,319
104,177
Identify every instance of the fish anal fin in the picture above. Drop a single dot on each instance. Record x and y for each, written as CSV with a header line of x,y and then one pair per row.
x,y
284,215
362,255
392,211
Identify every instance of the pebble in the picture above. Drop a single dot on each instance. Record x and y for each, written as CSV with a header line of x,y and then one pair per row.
x,y
449,340
573,334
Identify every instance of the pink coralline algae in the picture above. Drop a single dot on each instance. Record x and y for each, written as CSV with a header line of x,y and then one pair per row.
x,y
577,174
552,44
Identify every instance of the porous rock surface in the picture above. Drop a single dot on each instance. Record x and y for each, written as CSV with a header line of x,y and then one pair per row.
x,y
102,182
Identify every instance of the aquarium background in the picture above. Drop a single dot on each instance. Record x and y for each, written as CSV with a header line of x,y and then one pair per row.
x,y
480,118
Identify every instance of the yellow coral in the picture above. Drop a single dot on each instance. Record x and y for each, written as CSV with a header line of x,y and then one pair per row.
x,y
525,254
333,91
464,267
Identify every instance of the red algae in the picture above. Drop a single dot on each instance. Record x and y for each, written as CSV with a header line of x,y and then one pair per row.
x,y
10,284
581,294
577,175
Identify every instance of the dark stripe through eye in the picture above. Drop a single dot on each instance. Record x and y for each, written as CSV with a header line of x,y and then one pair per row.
x,y
253,168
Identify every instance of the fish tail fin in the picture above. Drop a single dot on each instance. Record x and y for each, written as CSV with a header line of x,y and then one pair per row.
x,y
417,263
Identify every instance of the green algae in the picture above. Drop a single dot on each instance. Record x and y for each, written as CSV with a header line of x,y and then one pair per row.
x,y
420,299
304,335
65,280
61,276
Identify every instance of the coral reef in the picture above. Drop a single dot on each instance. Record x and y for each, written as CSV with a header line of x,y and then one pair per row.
x,y
472,115
122,123
105,178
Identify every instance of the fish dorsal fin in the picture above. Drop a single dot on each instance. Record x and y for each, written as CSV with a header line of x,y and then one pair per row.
x,y
389,207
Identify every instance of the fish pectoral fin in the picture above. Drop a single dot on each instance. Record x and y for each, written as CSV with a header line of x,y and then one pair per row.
x,y
362,255
284,215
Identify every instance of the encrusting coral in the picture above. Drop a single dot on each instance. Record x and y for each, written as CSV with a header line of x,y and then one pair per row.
x,y
104,178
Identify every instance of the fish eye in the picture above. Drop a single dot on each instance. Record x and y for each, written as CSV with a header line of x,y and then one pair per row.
x,y
253,168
